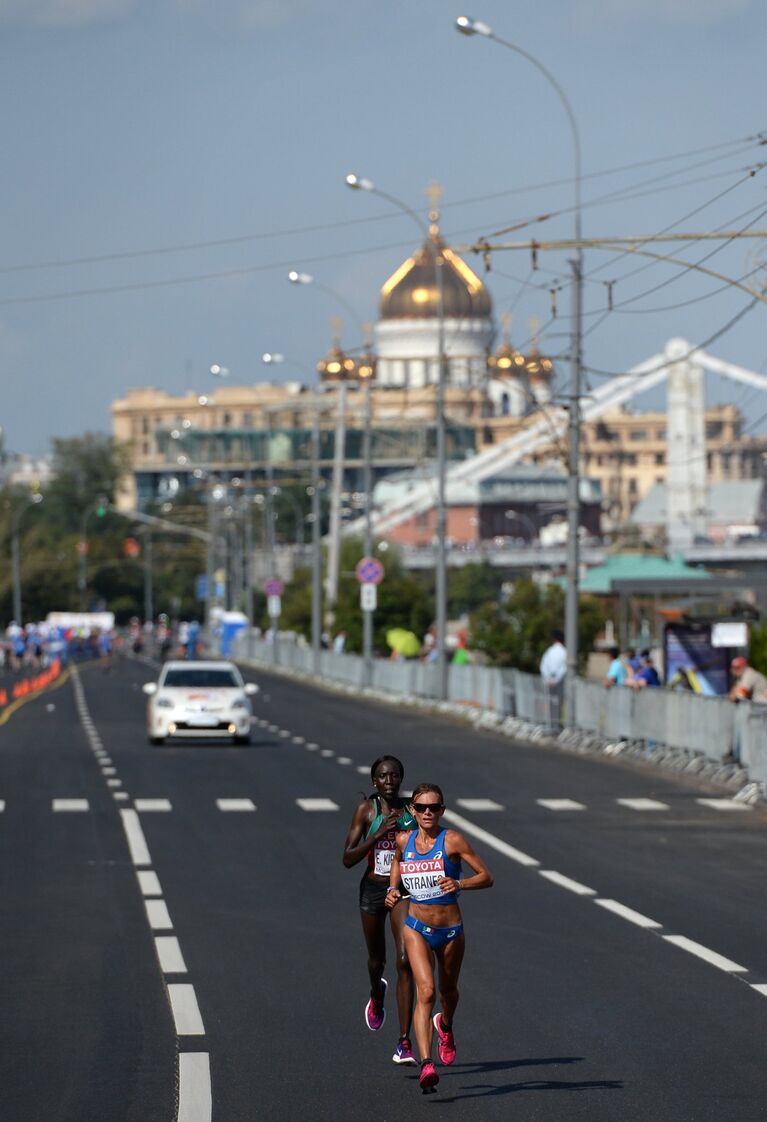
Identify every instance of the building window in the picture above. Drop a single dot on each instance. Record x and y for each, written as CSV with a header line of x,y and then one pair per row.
x,y
226,420
145,447
638,434
247,420
627,457
661,434
145,425
660,458
632,486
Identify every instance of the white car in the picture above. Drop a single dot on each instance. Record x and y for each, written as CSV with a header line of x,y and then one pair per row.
x,y
203,700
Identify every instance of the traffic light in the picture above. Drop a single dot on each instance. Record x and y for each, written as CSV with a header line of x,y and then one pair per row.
x,y
102,506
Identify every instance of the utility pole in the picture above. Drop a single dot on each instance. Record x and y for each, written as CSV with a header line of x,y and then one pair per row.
x,y
573,493
316,541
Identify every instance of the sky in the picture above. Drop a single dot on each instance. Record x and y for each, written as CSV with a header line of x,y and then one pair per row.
x,y
166,162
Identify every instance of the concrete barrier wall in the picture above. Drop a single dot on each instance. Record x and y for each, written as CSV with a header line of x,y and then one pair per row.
x,y
713,726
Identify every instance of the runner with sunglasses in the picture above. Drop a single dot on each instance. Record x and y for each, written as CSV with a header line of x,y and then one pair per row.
x,y
373,837
428,864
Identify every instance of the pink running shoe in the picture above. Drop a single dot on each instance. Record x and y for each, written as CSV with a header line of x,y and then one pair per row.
x,y
375,1014
446,1046
404,1053
428,1079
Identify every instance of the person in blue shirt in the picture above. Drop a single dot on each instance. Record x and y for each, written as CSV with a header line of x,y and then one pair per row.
x,y
616,672
647,674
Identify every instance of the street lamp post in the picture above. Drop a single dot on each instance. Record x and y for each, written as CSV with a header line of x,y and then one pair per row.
x,y
468,26
101,504
362,183
33,500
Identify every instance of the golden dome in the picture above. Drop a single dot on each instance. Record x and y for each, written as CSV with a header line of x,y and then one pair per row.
x,y
336,365
539,368
507,362
411,291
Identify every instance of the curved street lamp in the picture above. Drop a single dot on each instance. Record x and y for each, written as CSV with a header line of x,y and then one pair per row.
x,y
33,500
362,183
468,26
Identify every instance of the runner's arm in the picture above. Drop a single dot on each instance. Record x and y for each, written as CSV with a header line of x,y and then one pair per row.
x,y
458,848
357,846
394,893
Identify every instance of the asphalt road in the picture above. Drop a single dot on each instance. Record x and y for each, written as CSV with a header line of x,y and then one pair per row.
x,y
158,942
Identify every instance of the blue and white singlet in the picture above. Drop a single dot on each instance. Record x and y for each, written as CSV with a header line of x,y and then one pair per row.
x,y
421,872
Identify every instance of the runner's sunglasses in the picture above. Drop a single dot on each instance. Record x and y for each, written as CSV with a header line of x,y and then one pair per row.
x,y
421,808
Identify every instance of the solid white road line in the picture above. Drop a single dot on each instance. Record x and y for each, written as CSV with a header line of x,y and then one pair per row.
x,y
760,987
2,805
195,1103
317,804
711,957
186,1011
169,954
70,804
478,804
560,804
489,839
235,804
158,915
139,850
149,883
152,804
628,913
565,882
723,804
643,804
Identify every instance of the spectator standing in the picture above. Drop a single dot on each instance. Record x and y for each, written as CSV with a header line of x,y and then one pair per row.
x,y
553,670
617,674
749,684
461,657
339,643
646,676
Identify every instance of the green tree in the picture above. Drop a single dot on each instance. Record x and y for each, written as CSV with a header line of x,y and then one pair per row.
x,y
471,586
517,632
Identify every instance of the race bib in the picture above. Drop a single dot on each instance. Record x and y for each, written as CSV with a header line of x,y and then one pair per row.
x,y
384,853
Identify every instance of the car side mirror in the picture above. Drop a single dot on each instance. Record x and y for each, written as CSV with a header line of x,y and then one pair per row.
x,y
149,688
251,688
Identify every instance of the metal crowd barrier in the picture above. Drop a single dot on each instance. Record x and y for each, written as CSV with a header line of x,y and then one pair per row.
x,y
713,726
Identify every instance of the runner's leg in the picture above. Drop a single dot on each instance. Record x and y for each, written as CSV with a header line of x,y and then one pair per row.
x,y
404,973
450,957
374,928
421,958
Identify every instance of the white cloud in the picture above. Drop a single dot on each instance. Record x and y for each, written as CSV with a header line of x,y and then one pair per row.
x,y
661,11
62,13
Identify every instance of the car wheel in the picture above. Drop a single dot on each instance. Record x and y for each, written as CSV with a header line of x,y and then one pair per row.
x,y
156,739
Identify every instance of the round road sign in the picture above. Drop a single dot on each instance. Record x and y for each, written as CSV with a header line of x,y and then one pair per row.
x,y
369,571
274,588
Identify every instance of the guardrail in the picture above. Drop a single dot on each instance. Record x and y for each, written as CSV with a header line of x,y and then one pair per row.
x,y
711,726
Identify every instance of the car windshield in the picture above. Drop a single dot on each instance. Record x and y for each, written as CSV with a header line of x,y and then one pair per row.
x,y
199,678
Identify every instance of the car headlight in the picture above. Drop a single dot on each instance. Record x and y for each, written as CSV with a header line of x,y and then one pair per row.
x,y
164,703
240,703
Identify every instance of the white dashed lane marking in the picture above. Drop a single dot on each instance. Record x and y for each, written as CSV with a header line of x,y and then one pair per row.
x,y
195,1100
479,804
158,915
186,1011
362,769
298,740
152,804
169,954
723,804
149,883
316,804
326,753
643,804
235,804
343,760
711,957
628,913
560,804
565,882
70,804
312,747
